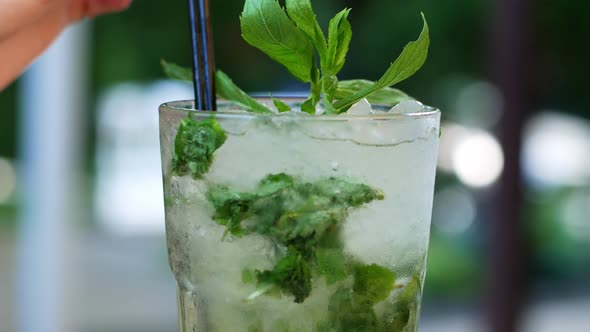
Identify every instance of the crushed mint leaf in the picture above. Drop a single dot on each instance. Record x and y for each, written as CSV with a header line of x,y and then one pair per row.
x,y
194,146
302,217
373,282
349,312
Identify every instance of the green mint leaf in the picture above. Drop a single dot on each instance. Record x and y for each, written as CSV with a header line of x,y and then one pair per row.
x,y
248,276
385,96
281,325
273,183
329,86
323,326
224,85
301,12
228,90
256,327
315,93
280,105
266,26
303,224
308,106
373,282
292,274
401,315
348,312
194,146
332,264
329,107
230,208
339,36
177,72
346,192
409,62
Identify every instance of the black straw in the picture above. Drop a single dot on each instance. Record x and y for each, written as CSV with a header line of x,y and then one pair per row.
x,y
202,51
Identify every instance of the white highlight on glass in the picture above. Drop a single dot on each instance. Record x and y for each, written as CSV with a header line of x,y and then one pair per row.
x,y
479,103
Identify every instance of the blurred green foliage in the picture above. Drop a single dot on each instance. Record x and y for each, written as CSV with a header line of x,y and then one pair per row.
x,y
454,269
560,62
562,250
8,122
8,217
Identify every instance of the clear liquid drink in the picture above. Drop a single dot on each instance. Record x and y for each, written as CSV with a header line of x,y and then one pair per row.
x,y
292,222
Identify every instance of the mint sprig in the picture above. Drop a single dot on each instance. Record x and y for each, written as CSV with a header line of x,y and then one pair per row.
x,y
293,37
332,52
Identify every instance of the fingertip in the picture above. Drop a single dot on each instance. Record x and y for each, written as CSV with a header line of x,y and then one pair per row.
x,y
90,8
114,5
123,4
99,7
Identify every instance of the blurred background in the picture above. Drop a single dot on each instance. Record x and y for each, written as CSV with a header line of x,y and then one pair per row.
x,y
82,243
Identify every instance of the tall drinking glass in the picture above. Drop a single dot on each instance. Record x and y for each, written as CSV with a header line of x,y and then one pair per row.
x,y
291,222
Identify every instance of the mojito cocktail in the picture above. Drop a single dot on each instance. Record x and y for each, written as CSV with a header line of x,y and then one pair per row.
x,y
293,222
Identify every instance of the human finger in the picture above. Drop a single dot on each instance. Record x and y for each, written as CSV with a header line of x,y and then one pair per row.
x,y
89,8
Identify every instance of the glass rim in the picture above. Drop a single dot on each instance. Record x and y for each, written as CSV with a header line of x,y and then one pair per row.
x,y
181,106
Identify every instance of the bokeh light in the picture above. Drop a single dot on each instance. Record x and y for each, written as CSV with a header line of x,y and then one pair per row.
x,y
473,155
454,210
478,160
478,103
452,135
556,150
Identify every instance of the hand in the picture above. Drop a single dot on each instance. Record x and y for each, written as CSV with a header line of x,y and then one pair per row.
x,y
27,27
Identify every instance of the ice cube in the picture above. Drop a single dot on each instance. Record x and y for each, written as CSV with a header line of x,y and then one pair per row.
x,y
288,118
407,107
336,130
334,164
368,132
386,131
363,107
364,131
293,113
237,125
